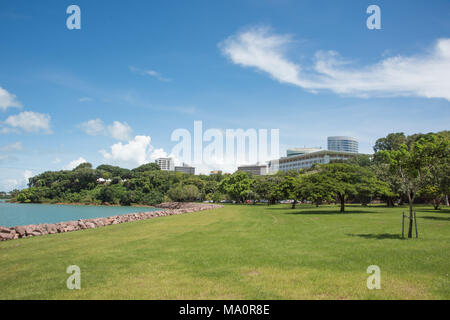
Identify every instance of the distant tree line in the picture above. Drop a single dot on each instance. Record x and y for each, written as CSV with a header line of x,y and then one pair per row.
x,y
4,195
106,184
403,169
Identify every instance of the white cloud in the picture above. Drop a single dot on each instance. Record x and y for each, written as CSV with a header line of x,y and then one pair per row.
x,y
93,127
85,99
27,174
9,185
134,153
56,161
120,131
426,75
75,163
14,179
6,158
151,73
29,121
8,100
158,153
17,146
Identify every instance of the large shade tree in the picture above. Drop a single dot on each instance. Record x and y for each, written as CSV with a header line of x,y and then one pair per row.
x,y
346,180
415,164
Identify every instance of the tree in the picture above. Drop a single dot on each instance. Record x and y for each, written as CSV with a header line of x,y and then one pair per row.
x,y
84,165
313,187
382,172
191,192
107,171
147,167
182,193
345,180
237,186
106,195
437,181
261,186
411,163
287,189
391,142
268,188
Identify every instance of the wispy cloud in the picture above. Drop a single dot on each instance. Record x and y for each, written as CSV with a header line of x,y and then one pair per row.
x,y
85,99
151,73
93,127
421,75
8,100
17,146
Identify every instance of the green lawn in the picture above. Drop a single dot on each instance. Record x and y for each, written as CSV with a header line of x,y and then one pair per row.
x,y
238,252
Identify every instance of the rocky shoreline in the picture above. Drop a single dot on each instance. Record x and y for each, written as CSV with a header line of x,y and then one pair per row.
x,y
169,209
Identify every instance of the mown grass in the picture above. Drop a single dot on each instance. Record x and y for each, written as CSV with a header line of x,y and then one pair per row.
x,y
238,252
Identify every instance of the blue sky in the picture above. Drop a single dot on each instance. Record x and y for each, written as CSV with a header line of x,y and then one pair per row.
x,y
145,68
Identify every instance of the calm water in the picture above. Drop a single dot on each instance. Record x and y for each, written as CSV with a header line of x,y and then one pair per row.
x,y
15,214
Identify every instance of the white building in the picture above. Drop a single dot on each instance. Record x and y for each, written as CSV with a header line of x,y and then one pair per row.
x,y
299,151
165,164
345,144
307,160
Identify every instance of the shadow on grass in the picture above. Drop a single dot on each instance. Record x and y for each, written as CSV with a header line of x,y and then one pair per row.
x,y
326,212
436,218
442,210
380,236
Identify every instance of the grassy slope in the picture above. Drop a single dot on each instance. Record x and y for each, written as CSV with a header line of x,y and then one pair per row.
x,y
239,252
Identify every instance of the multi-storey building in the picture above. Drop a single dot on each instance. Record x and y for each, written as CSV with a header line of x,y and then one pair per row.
x,y
165,164
257,169
307,160
345,144
185,169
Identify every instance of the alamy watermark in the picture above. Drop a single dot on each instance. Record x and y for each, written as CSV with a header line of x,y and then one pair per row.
x,y
225,146
74,280
374,20
374,280
74,20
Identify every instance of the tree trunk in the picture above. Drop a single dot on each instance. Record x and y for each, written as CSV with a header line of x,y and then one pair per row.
x,y
411,217
390,202
436,203
293,204
446,200
342,198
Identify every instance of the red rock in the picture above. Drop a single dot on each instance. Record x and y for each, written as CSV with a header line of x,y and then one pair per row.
x,y
21,230
5,230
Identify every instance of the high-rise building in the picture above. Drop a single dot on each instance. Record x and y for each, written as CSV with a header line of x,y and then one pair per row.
x,y
165,164
343,144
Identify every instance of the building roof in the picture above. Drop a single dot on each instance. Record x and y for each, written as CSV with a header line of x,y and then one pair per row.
x,y
253,166
316,154
342,138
